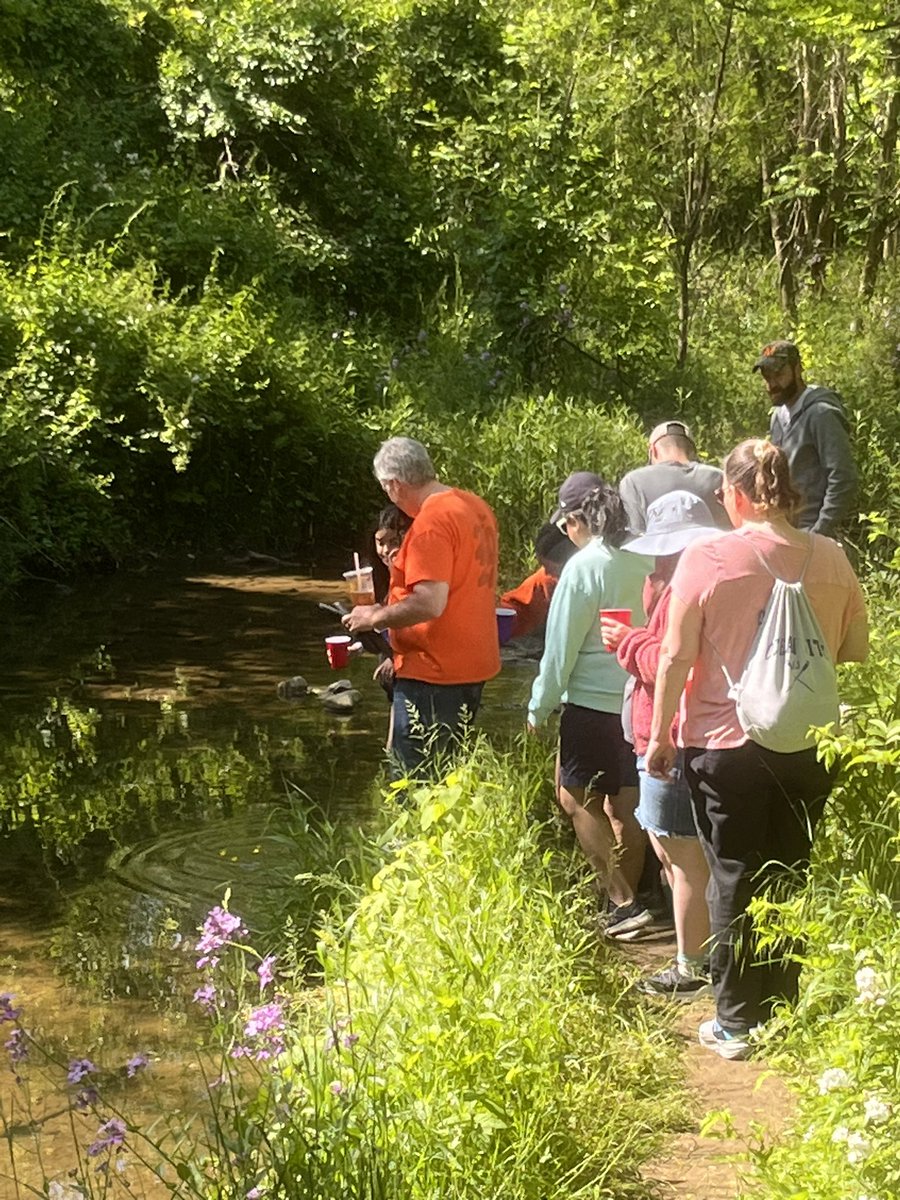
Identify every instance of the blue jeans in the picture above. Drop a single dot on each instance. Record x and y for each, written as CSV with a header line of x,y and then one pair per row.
x,y
430,722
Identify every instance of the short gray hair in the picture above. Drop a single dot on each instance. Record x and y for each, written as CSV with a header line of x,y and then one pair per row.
x,y
405,460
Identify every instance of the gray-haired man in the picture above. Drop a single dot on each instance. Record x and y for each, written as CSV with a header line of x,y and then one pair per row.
x,y
441,608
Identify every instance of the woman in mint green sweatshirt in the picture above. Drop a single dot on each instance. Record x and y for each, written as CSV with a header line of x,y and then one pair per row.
x,y
597,777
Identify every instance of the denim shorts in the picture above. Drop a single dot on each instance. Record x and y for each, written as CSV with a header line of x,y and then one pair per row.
x,y
664,807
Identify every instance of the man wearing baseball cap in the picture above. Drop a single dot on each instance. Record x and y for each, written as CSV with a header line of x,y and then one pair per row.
x,y
673,467
810,424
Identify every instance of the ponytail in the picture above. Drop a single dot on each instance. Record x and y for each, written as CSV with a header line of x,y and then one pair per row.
x,y
760,470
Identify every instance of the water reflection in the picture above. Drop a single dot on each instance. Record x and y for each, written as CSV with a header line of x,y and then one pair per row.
x,y
147,763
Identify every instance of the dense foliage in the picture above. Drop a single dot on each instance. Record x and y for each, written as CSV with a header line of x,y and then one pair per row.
x,y
241,241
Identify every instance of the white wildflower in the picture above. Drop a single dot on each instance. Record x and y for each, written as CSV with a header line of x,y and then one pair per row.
x,y
869,987
833,1079
64,1191
858,1146
840,1134
877,1110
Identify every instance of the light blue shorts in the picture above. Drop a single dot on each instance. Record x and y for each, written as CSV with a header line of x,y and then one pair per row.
x,y
664,808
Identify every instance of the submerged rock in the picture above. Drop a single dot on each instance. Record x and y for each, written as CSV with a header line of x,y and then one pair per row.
x,y
293,688
340,702
339,685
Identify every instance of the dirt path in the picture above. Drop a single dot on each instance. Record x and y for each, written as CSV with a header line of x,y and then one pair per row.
x,y
710,1168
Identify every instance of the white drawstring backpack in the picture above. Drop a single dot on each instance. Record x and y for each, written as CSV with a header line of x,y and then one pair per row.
x,y
789,682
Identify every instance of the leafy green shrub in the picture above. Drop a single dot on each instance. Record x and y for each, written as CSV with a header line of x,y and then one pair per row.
x,y
131,417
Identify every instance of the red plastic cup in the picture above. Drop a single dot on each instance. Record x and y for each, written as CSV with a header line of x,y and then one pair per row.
x,y
622,615
337,650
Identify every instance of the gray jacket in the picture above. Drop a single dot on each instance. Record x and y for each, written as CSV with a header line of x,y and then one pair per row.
x,y
817,444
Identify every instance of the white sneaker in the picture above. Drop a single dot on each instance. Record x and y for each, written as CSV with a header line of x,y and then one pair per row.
x,y
727,1045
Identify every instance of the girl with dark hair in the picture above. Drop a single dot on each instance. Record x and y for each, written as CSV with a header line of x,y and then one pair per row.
x,y
391,528
756,809
597,779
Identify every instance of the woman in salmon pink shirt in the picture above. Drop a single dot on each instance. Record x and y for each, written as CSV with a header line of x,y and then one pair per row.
x,y
755,809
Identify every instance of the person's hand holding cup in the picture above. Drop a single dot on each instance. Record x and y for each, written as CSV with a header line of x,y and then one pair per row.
x,y
614,624
337,651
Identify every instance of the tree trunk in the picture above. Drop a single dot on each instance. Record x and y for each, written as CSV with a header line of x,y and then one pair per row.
x,y
881,209
781,237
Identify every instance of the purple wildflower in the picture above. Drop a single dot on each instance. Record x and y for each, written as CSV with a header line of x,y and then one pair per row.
x,y
330,1041
336,1087
349,1040
7,1012
87,1098
265,970
17,1045
255,1193
272,1049
266,1025
78,1068
265,1019
264,1031
219,928
206,997
108,1135
135,1064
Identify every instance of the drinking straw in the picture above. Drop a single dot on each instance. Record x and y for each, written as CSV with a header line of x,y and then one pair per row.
x,y
358,569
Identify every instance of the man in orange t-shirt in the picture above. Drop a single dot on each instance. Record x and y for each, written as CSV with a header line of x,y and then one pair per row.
x,y
441,608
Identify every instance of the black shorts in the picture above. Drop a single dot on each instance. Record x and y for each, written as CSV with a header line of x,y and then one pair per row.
x,y
593,750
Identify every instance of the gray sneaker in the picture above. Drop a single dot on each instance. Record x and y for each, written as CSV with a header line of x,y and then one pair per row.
x,y
673,984
627,921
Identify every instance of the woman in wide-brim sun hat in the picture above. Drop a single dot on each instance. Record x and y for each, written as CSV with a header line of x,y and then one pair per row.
x,y
664,810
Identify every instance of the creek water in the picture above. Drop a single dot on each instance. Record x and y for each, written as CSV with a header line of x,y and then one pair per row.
x,y
147,764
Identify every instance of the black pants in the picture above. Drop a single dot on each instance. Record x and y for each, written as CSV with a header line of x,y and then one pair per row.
x,y
756,812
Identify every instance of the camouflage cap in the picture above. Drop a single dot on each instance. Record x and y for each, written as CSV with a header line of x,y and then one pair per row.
x,y
776,355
